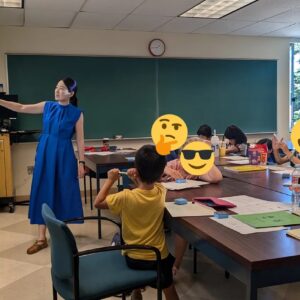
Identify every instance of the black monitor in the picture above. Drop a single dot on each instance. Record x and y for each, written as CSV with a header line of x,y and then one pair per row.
x,y
7,113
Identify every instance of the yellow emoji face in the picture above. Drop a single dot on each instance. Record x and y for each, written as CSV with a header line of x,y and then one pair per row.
x,y
169,132
295,136
197,158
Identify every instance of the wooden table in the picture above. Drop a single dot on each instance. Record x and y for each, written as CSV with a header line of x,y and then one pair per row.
x,y
266,179
258,260
101,164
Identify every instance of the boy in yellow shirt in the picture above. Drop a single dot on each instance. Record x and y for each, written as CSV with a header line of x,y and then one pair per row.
x,y
141,211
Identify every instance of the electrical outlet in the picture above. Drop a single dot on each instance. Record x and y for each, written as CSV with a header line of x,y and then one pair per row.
x,y
29,170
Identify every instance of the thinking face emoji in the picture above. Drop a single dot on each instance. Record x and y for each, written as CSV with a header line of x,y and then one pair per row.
x,y
169,132
295,136
197,158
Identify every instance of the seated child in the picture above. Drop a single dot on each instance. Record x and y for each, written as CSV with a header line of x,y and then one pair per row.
x,y
237,140
288,156
204,132
144,228
174,170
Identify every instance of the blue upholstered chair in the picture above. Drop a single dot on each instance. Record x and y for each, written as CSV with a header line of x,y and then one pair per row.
x,y
93,274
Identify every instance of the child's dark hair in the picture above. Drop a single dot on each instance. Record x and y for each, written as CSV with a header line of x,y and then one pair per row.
x,y
71,84
205,130
149,164
268,142
234,133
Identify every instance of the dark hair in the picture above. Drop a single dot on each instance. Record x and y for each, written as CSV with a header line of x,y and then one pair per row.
x,y
71,84
149,164
205,130
268,142
234,133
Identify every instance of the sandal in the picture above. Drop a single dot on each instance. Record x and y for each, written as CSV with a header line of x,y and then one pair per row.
x,y
37,246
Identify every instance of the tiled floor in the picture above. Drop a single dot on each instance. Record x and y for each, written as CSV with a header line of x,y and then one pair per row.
x,y
27,277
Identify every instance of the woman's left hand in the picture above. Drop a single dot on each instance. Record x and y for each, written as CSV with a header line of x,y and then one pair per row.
x,y
81,171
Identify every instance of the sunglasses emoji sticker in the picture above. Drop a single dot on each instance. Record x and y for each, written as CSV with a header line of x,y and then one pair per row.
x,y
197,158
295,136
169,132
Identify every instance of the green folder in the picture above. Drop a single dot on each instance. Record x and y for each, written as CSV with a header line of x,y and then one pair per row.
x,y
271,219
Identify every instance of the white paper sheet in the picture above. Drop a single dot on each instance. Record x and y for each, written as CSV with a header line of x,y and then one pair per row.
x,y
249,205
287,171
276,168
124,151
241,227
188,210
240,162
172,186
103,153
236,157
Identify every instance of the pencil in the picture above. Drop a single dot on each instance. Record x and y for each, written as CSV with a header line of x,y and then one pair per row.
x,y
122,173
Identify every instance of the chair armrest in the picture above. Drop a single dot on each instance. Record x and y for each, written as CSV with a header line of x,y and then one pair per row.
x,y
93,218
121,247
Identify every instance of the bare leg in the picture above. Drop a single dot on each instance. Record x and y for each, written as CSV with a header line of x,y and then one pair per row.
x,y
180,247
42,232
170,293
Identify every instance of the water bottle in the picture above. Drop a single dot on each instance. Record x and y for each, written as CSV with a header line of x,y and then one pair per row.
x,y
215,143
296,190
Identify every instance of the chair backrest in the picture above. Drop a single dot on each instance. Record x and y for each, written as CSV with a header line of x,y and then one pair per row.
x,y
63,245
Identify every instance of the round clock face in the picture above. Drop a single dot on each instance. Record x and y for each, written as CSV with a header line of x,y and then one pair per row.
x,y
157,47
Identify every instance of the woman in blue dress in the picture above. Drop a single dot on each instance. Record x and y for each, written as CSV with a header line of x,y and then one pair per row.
x,y
56,170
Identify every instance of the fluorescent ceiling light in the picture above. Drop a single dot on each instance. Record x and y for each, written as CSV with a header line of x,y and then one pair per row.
x,y
216,9
11,3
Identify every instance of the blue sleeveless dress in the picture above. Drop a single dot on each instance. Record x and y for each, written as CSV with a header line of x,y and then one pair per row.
x,y
55,176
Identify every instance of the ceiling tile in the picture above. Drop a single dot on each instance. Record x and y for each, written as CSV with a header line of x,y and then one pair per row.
x,y
99,21
291,31
111,6
48,18
183,25
142,23
222,27
261,28
292,16
262,9
11,17
67,5
170,8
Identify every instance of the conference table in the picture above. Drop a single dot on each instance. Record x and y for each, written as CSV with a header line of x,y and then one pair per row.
x,y
266,179
258,260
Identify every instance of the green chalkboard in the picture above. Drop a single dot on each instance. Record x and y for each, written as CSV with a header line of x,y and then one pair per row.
x,y
220,93
125,95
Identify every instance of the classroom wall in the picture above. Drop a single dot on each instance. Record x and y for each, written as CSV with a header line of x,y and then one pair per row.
x,y
123,43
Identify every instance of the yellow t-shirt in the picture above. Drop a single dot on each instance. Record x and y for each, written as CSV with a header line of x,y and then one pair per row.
x,y
142,214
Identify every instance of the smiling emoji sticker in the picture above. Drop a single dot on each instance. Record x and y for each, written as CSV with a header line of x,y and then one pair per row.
x,y
197,158
295,136
169,132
